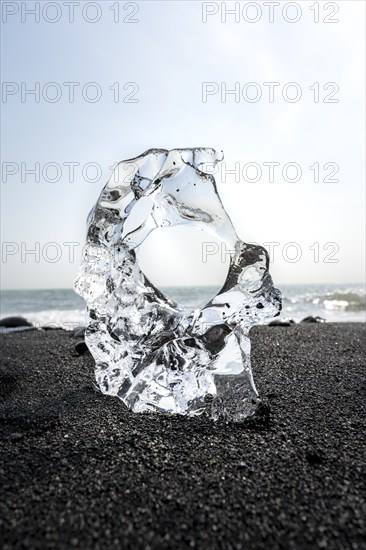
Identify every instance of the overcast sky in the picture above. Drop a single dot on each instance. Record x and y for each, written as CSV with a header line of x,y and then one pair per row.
x,y
162,71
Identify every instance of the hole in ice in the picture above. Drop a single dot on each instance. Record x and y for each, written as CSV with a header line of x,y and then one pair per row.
x,y
187,264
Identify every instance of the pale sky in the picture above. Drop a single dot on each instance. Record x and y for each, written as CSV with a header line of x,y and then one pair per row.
x,y
168,54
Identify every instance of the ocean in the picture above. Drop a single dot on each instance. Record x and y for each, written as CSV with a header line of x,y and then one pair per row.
x,y
62,307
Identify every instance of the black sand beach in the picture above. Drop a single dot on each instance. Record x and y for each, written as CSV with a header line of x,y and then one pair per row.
x,y
80,471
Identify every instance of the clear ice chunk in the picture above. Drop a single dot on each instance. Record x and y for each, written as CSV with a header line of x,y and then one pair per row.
x,y
153,353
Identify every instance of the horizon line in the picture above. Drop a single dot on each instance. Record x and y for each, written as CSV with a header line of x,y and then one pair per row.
x,y
276,284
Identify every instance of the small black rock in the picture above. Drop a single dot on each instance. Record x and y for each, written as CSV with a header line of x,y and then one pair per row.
x,y
312,319
314,456
13,322
281,322
81,347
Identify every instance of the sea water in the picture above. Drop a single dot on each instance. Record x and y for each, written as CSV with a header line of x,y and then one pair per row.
x,y
64,308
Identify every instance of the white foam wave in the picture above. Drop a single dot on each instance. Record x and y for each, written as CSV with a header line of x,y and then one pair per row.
x,y
66,319
336,304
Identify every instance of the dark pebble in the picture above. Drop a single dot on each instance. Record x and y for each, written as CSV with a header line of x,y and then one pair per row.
x,y
13,322
81,347
281,322
312,319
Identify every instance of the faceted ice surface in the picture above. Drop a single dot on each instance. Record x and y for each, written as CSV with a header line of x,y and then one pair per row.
x,y
152,353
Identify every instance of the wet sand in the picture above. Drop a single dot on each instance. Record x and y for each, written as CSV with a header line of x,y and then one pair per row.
x,y
80,471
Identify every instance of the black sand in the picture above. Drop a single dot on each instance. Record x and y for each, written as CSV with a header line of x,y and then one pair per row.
x,y
79,471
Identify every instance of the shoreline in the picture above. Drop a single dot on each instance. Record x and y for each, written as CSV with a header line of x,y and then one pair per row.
x,y
78,470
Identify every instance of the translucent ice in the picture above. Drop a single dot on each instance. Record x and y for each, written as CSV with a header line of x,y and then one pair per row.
x,y
152,353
